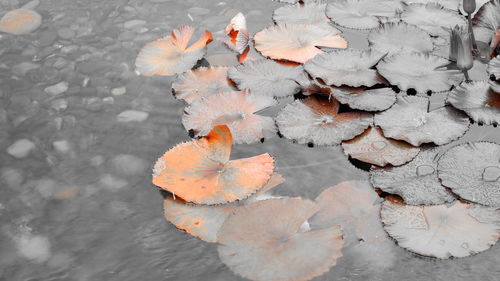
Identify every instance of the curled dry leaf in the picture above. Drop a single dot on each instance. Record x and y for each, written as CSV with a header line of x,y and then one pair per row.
x,y
361,14
200,171
478,100
372,147
203,81
268,78
416,182
472,171
297,42
442,231
204,221
412,70
238,34
349,67
391,38
262,241
409,120
316,120
432,18
236,109
172,55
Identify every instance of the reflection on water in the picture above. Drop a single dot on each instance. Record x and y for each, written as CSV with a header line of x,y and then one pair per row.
x,y
80,131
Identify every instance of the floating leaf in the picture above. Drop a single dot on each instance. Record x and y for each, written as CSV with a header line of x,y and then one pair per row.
x,y
418,71
472,171
410,120
361,14
200,170
442,231
372,147
316,120
448,4
478,100
391,38
234,109
416,182
268,78
262,241
172,55
308,13
203,81
365,99
346,67
355,206
297,42
432,18
205,221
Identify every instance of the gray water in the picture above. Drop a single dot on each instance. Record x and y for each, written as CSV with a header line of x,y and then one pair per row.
x,y
80,205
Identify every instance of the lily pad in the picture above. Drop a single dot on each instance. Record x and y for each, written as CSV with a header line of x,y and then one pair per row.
x,y
316,120
234,109
194,84
391,38
172,55
365,99
442,231
349,67
361,14
478,100
205,221
416,182
472,171
308,13
410,120
200,171
433,18
372,147
297,42
262,241
412,70
268,78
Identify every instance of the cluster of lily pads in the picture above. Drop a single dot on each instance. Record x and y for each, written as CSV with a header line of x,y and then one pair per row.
x,y
373,102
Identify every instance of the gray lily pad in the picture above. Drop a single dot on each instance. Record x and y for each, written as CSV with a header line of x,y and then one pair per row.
x,y
316,120
346,67
432,18
419,71
410,120
268,78
391,38
442,231
478,100
416,182
472,171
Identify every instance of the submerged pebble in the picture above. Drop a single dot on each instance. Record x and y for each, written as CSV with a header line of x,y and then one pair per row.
x,y
33,247
21,148
132,116
129,165
57,89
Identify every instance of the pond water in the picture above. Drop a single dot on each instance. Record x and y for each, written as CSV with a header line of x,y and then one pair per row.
x,y
80,131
